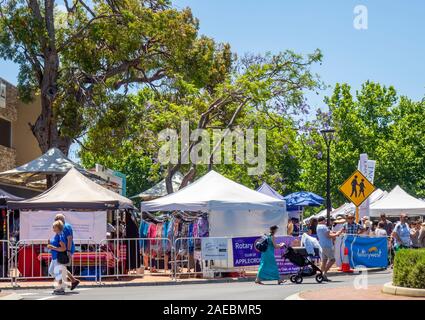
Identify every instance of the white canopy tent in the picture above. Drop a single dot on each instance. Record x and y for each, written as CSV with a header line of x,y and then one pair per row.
x,y
160,189
234,210
73,192
33,174
398,201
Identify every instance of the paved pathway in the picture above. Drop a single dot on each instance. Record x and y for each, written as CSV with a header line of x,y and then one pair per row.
x,y
210,291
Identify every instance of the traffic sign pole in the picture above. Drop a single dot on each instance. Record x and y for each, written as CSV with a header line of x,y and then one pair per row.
x,y
357,215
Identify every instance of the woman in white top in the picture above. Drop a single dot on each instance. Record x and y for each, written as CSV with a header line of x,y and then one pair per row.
x,y
380,231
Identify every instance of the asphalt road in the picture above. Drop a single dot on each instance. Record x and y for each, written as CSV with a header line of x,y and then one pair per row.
x,y
209,291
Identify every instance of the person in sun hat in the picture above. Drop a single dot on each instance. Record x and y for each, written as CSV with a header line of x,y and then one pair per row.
x,y
351,226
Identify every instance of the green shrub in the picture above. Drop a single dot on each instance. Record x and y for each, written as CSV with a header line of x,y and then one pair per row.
x,y
409,268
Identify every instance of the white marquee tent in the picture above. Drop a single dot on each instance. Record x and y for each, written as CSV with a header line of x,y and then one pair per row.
x,y
234,210
73,192
160,189
33,174
396,202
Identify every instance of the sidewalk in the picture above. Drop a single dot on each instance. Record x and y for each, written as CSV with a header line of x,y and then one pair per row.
x,y
349,293
9,296
147,280
125,281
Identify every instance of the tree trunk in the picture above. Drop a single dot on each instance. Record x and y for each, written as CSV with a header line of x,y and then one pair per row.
x,y
46,132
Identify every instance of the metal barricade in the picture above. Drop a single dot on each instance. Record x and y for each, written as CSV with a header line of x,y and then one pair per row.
x,y
30,260
5,254
135,257
190,260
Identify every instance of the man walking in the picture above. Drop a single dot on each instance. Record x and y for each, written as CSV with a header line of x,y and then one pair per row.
x,y
326,237
70,247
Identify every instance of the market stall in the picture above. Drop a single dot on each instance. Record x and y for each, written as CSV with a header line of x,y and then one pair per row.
x,y
216,210
160,189
396,202
33,174
297,201
233,209
85,205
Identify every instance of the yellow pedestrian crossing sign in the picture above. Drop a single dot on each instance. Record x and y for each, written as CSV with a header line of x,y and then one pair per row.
x,y
357,188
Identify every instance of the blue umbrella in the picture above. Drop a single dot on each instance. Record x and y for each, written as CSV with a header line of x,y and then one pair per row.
x,y
267,190
303,199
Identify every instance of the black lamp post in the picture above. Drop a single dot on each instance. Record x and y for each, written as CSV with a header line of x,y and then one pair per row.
x,y
328,136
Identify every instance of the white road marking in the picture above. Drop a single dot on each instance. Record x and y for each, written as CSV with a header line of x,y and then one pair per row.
x,y
47,298
28,294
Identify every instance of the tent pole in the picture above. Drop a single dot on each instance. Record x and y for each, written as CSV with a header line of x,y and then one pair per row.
x,y
7,225
302,221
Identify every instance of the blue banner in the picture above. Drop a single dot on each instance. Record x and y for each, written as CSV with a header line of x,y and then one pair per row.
x,y
370,252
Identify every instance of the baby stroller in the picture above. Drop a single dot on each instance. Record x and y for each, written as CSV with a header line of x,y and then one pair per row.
x,y
299,257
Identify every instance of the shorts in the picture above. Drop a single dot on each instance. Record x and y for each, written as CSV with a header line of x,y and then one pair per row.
x,y
57,270
328,254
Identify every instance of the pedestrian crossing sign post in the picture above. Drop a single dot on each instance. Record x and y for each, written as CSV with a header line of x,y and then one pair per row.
x,y
357,188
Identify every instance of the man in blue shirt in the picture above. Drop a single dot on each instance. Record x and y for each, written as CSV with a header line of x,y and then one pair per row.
x,y
70,246
326,237
401,234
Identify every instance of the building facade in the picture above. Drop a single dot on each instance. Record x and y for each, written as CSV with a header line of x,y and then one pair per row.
x,y
17,143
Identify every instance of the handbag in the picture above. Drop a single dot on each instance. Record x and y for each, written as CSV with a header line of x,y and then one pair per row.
x,y
63,257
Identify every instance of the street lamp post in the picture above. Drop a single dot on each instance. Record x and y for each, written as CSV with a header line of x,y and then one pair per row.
x,y
328,135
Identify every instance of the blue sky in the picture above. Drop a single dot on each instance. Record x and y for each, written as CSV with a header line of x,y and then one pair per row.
x,y
391,51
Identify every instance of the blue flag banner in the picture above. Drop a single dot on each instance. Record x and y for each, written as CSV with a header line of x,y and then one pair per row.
x,y
370,252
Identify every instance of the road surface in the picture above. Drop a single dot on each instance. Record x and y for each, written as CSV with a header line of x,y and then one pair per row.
x,y
207,291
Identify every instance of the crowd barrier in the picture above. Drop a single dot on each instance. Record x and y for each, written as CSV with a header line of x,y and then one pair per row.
x,y
194,259
134,257
30,260
5,255
117,258
185,257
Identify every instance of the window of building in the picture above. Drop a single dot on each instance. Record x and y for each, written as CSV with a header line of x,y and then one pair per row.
x,y
2,95
5,133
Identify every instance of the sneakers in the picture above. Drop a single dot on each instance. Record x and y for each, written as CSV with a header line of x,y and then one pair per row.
x,y
326,279
60,291
75,284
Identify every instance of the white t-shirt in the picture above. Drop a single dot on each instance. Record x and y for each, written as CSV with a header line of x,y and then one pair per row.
x,y
380,233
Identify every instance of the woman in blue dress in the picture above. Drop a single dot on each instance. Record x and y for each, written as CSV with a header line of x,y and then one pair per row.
x,y
268,269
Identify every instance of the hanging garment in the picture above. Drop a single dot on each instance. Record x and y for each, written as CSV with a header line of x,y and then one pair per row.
x,y
203,226
165,235
152,236
190,235
170,234
133,246
143,233
159,228
195,230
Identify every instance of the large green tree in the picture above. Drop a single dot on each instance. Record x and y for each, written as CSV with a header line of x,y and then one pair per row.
x,y
373,120
260,92
78,56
